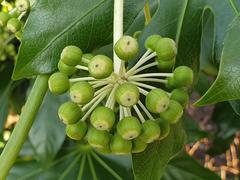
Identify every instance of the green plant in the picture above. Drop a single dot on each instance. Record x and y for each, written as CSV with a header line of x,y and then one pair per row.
x,y
127,92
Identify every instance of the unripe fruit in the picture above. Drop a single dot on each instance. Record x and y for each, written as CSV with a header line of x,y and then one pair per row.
x,y
98,139
180,96
170,83
22,5
126,48
173,113
86,58
66,69
76,131
165,128
127,94
157,101
70,113
15,13
71,55
166,49
138,145
183,76
150,131
104,150
18,35
81,92
58,83
129,128
4,17
14,25
120,146
102,118
151,41
137,34
165,65
100,67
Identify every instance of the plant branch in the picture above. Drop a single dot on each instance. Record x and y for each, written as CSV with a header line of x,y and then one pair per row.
x,y
20,132
117,33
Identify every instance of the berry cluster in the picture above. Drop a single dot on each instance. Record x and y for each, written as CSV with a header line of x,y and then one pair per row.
x,y
6,50
122,112
12,20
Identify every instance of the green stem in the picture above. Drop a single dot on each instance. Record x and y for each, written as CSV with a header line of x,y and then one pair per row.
x,y
109,169
92,169
82,165
20,132
147,13
69,168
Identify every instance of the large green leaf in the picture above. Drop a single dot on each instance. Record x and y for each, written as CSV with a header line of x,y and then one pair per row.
x,y
53,25
194,133
151,163
185,167
226,86
48,132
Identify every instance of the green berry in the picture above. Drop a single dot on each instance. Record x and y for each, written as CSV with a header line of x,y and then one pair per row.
x,y
166,49
170,83
183,76
157,101
120,146
126,48
173,113
71,55
18,35
14,25
22,5
127,94
102,118
138,145
180,96
15,13
165,65
165,128
76,131
150,131
98,139
86,58
137,34
151,41
66,69
70,113
104,150
100,67
129,128
58,83
4,17
81,92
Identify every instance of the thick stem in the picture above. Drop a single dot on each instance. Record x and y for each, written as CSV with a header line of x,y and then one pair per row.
x,y
164,81
139,113
141,61
117,33
82,79
82,67
143,85
145,110
151,75
145,67
20,132
142,91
